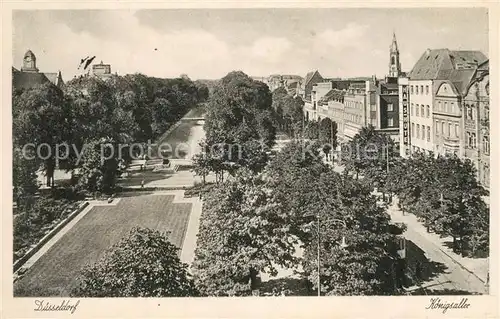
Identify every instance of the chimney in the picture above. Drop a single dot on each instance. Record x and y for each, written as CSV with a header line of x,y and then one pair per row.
x,y
428,52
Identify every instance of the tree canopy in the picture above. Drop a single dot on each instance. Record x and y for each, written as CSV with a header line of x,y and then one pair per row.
x,y
242,232
142,264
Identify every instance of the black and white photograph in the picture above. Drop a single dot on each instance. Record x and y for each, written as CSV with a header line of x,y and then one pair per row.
x,y
250,152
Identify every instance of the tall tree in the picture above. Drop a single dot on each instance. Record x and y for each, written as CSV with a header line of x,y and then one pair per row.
x,y
347,212
40,117
242,233
239,111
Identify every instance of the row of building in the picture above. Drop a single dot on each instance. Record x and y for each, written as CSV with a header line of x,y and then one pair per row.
x,y
441,106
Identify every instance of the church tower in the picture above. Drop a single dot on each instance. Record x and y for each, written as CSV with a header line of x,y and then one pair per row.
x,y
29,62
394,64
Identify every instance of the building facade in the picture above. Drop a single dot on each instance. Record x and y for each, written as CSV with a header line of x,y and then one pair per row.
x,y
359,107
387,108
476,119
435,87
421,108
305,92
102,70
320,108
447,117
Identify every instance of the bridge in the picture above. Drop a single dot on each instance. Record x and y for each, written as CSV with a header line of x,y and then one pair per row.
x,y
193,119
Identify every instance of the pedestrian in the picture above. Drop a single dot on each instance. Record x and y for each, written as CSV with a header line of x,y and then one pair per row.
x,y
142,184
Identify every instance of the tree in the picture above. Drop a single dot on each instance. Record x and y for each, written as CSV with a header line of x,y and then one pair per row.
x,y
239,115
445,195
40,116
291,175
327,135
100,166
367,154
242,233
24,179
346,209
143,264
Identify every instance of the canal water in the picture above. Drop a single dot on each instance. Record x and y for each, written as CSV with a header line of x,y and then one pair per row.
x,y
184,139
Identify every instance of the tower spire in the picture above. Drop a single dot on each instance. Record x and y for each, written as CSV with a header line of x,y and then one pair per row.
x,y
394,64
394,45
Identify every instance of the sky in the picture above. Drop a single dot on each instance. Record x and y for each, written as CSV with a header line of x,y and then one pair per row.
x,y
209,43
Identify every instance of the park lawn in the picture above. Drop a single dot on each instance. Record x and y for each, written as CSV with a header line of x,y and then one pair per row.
x,y
100,228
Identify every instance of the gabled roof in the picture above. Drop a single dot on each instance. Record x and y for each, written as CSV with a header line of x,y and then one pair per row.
x,y
310,75
439,64
53,77
439,83
461,79
293,85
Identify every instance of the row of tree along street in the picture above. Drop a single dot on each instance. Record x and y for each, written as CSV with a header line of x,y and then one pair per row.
x,y
442,191
85,114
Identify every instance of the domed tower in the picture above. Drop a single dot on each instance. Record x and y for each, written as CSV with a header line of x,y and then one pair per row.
x,y
394,64
29,62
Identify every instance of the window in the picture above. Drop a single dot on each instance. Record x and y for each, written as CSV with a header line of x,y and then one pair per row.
x,y
417,109
390,107
452,107
411,89
442,128
445,107
439,106
486,145
428,111
416,89
422,89
412,109
473,140
437,127
422,110
423,132
427,89
412,129
418,130
390,122
428,133
470,113
449,129
456,131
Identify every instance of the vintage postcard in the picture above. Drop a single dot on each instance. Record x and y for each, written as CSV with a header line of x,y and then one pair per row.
x,y
238,160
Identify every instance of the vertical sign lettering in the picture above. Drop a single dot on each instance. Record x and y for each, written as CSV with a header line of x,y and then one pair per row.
x,y
406,116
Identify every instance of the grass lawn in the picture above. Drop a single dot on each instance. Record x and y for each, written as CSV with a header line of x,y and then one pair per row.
x,y
103,226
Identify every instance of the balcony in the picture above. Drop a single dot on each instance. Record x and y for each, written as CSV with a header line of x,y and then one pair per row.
x,y
451,142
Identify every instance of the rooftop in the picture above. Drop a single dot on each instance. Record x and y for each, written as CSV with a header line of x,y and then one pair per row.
x,y
439,64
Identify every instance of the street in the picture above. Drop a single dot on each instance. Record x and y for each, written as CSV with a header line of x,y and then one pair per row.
x,y
441,273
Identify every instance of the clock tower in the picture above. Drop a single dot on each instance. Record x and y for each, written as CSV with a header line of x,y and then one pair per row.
x,y
29,62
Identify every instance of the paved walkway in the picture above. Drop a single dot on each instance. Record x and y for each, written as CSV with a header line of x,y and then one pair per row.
x,y
455,272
